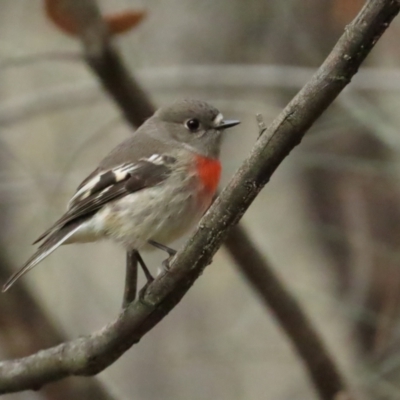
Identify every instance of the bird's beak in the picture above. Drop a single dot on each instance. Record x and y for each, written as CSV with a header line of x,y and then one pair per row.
x,y
227,124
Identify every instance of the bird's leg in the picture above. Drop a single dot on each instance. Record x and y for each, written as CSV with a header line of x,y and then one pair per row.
x,y
171,253
147,274
146,271
130,278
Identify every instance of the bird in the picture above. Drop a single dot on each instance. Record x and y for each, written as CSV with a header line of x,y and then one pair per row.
x,y
149,190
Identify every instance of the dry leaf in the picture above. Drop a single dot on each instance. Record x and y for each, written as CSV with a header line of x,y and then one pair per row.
x,y
117,23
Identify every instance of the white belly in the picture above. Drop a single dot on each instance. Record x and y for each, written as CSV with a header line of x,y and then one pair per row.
x,y
162,213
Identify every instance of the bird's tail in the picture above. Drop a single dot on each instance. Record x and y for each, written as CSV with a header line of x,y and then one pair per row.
x,y
55,240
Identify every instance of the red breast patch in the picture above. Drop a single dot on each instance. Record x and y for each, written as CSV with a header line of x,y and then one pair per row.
x,y
209,171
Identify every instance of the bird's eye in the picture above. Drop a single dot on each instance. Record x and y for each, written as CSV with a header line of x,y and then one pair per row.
x,y
192,124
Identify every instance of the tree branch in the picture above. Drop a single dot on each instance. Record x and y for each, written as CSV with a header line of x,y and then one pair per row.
x,y
105,62
321,369
25,328
91,354
257,271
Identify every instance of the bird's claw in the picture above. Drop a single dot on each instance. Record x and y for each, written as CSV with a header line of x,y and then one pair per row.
x,y
143,290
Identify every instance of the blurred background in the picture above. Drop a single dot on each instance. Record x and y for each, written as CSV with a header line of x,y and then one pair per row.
x,y
329,220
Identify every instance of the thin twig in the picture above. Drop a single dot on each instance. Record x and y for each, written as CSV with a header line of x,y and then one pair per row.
x,y
261,126
91,354
193,77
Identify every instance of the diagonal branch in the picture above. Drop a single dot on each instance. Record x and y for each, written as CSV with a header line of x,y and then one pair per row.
x,y
91,354
321,369
25,328
105,62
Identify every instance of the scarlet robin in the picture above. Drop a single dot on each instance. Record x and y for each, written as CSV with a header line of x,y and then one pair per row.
x,y
150,189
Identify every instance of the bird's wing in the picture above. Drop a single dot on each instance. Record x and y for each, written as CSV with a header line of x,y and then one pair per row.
x,y
104,186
